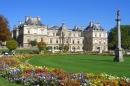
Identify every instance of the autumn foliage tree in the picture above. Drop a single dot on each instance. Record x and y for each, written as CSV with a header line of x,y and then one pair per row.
x,y
4,29
11,44
41,46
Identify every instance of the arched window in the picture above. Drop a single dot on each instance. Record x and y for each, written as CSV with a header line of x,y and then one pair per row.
x,y
78,48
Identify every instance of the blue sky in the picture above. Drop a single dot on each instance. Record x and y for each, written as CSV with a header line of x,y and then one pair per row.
x,y
72,12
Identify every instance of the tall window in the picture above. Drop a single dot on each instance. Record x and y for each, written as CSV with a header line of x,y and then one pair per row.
x,y
73,41
51,41
56,40
78,48
100,42
78,35
53,34
47,33
35,39
67,41
41,39
99,34
28,39
28,30
78,42
95,34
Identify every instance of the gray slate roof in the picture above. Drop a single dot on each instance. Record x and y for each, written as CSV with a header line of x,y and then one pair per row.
x,y
94,27
33,21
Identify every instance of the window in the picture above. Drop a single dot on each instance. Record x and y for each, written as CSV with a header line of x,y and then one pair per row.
x,y
57,47
100,42
78,35
56,40
51,41
104,34
35,39
78,42
73,41
41,31
28,39
47,33
104,41
95,34
99,34
78,48
53,34
41,39
66,40
28,31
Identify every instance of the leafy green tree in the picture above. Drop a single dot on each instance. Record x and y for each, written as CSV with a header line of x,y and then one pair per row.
x,y
41,46
33,42
84,48
60,48
4,29
48,47
11,44
54,47
125,37
66,48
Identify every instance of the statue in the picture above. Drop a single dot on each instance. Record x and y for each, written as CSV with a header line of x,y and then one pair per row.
x,y
118,13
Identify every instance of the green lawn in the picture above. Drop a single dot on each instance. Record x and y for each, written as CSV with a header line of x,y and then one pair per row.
x,y
5,82
85,63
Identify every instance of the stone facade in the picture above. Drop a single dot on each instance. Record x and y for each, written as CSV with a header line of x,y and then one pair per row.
x,y
32,29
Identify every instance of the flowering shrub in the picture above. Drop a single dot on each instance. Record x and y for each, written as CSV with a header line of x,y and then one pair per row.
x,y
29,75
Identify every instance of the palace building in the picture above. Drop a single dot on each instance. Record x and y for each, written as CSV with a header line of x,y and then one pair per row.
x,y
94,36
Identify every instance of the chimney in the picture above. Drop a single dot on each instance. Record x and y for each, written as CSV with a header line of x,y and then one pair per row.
x,y
75,27
39,18
98,23
90,24
82,27
63,23
48,26
14,26
20,22
26,18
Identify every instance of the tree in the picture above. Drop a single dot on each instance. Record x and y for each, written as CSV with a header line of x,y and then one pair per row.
x,y
125,37
33,42
11,44
4,29
60,48
66,48
41,46
48,48
84,48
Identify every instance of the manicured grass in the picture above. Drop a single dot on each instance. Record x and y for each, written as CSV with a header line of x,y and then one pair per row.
x,y
85,63
5,82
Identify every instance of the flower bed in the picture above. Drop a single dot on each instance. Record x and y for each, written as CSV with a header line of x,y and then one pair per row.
x,y
29,75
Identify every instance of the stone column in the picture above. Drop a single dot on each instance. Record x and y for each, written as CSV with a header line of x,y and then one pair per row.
x,y
119,50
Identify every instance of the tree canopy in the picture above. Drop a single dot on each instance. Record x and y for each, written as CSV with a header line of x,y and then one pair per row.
x,y
66,48
41,45
11,44
125,37
33,42
4,29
